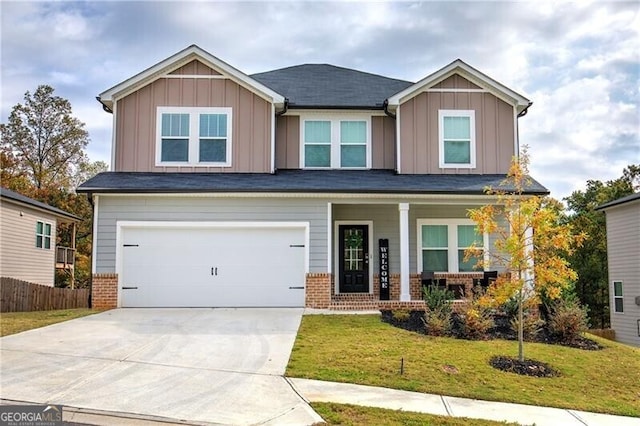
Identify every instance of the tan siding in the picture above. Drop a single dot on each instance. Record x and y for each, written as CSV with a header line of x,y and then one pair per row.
x,y
19,256
383,153
623,248
195,67
419,132
456,82
288,142
136,123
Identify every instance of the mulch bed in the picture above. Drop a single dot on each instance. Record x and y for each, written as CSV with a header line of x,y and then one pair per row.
x,y
528,367
502,330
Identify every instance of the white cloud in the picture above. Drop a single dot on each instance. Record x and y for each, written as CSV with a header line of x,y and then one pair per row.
x,y
578,62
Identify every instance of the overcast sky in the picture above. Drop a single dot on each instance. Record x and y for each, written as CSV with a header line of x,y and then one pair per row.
x,y
579,63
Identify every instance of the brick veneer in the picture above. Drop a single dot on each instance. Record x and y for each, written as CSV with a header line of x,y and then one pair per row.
x,y
318,290
104,291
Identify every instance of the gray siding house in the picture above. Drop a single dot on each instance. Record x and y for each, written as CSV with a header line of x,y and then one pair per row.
x,y
28,234
623,256
312,185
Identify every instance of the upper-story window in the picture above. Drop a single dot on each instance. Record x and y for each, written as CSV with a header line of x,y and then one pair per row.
x,y
331,142
457,139
43,235
193,136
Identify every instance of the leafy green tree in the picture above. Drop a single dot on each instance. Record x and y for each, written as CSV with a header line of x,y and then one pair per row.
x,y
42,156
590,260
530,243
45,138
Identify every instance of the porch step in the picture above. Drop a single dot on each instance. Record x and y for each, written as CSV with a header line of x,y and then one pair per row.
x,y
353,297
375,305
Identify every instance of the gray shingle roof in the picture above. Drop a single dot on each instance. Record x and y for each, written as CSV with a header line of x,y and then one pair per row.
x,y
329,86
623,200
297,181
14,196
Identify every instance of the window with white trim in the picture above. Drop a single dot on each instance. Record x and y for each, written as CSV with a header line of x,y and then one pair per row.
x,y
442,244
457,138
618,305
43,235
335,142
193,136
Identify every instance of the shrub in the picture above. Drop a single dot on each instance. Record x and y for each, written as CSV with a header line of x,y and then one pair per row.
x,y
437,298
567,320
400,314
531,325
438,322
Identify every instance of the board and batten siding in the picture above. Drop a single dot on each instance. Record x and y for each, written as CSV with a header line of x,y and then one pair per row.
x,y
383,152
419,122
210,209
19,256
623,252
136,114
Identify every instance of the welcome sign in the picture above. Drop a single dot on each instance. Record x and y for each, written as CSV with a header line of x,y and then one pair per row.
x,y
383,245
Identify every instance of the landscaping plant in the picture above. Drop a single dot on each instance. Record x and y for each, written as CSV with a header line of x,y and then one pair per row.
x,y
530,242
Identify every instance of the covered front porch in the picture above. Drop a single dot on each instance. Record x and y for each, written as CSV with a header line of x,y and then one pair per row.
x,y
380,254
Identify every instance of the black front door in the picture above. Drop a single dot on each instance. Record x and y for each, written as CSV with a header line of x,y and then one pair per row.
x,y
353,246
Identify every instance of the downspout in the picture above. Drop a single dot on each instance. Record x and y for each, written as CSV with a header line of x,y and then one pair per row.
x,y
286,108
385,106
104,106
525,110
520,114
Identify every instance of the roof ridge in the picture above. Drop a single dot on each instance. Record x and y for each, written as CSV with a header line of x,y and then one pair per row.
x,y
332,66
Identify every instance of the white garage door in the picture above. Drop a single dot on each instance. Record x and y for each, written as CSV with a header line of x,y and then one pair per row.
x,y
178,266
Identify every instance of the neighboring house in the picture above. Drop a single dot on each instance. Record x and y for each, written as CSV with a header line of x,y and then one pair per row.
x,y
623,256
283,188
28,233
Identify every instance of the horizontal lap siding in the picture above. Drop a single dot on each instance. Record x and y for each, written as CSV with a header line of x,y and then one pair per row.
x,y
136,123
205,209
623,247
19,256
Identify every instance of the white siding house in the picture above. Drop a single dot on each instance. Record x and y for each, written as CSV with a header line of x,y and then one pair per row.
x,y
623,248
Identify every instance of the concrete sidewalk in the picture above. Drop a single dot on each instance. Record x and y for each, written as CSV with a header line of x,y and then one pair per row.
x,y
370,396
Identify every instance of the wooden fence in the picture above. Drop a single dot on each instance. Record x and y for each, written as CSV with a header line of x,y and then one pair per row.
x,y
22,296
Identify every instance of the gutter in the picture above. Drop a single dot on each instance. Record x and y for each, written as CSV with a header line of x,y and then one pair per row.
x,y
104,106
385,107
525,110
286,108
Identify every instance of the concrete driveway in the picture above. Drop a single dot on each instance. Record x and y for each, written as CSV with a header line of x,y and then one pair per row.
x,y
221,366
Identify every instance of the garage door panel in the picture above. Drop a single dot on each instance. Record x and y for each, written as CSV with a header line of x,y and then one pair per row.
x,y
213,267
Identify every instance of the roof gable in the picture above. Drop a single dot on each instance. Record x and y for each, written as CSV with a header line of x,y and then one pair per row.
x,y
180,60
475,77
325,86
14,197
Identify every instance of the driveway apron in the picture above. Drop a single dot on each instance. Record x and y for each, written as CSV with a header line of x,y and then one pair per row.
x,y
221,366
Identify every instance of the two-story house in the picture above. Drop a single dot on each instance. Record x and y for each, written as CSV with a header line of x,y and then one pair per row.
x,y
312,185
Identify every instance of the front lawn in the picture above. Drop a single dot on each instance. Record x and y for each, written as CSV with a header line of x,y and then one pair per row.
x,y
16,322
362,349
352,415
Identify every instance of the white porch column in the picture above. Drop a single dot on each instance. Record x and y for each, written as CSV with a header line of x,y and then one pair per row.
x,y
405,294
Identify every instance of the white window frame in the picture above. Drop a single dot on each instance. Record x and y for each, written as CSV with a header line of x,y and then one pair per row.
x,y
614,298
44,235
194,136
336,145
472,133
452,237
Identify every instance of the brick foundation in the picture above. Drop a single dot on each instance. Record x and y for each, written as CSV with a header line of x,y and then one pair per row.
x,y
104,291
318,290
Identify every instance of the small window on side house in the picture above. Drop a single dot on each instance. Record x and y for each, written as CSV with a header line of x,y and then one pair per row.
x,y
43,235
457,145
617,297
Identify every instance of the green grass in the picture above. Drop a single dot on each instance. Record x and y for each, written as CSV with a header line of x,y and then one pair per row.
x,y
16,322
353,415
362,349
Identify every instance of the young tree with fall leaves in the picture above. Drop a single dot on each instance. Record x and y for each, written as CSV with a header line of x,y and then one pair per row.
x,y
531,244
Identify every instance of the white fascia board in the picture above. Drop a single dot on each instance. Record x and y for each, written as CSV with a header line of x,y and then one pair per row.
x,y
468,72
180,59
